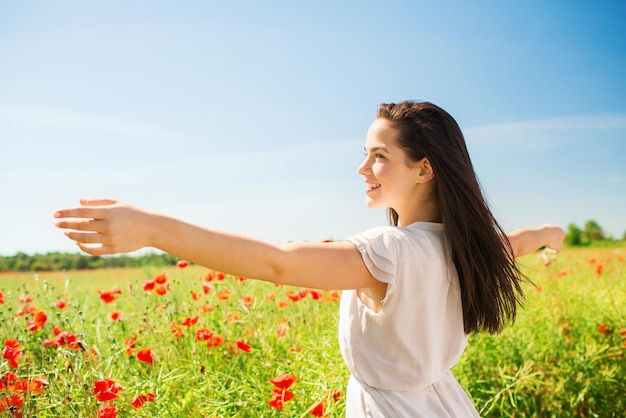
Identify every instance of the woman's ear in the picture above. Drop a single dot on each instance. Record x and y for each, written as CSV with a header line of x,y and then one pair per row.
x,y
424,171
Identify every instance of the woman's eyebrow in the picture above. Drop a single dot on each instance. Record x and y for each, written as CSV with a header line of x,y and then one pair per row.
x,y
376,149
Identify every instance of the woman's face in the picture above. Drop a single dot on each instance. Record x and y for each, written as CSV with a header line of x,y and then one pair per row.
x,y
390,176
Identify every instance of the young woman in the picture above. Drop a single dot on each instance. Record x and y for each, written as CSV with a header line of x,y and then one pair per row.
x,y
413,291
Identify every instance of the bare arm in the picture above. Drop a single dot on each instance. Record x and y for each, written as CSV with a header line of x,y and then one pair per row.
x,y
527,240
105,226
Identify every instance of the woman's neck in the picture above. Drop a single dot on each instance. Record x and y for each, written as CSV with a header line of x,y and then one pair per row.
x,y
424,211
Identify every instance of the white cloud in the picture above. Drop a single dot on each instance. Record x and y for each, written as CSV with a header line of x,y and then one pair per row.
x,y
46,118
539,131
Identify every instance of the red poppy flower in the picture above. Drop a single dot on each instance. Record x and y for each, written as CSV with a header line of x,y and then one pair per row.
x,y
603,328
224,294
12,403
140,399
145,355
61,304
25,299
161,279
216,340
279,397
37,385
1,297
182,264
232,317
190,321
244,346
12,352
220,276
203,334
65,338
195,296
281,331
40,318
116,315
177,330
107,410
21,386
106,389
8,380
318,409
206,308
148,285
38,321
206,287
25,310
283,381
130,344
47,342
209,277
107,296
161,289
248,300
293,296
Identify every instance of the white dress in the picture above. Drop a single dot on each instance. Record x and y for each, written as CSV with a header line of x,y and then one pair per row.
x,y
400,357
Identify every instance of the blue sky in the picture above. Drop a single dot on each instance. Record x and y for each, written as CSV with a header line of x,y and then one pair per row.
x,y
251,116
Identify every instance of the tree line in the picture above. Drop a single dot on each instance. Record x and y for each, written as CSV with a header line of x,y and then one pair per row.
x,y
591,233
56,261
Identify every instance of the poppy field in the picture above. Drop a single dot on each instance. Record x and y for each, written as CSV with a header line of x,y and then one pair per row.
x,y
187,341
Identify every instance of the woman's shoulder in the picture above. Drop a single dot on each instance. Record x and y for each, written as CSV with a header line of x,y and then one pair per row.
x,y
415,230
421,241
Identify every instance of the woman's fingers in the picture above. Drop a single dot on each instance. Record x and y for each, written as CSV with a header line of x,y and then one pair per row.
x,y
84,212
94,249
97,202
87,237
90,208
93,225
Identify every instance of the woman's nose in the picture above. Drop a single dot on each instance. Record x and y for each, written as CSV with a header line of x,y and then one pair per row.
x,y
365,167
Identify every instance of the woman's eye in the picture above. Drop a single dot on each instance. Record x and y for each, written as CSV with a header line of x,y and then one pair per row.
x,y
378,156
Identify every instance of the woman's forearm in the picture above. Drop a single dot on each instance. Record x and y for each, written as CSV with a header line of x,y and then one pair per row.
x,y
527,240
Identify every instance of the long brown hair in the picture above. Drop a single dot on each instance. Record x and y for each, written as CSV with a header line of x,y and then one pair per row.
x,y
488,274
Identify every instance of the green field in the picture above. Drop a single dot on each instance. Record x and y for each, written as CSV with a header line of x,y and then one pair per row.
x,y
199,346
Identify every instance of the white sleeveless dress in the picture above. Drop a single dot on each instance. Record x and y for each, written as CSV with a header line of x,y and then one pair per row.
x,y
400,357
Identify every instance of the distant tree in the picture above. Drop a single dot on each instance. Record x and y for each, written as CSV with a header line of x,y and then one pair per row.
x,y
574,235
56,261
592,232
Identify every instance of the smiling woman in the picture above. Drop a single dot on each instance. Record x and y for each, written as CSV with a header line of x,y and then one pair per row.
x,y
413,291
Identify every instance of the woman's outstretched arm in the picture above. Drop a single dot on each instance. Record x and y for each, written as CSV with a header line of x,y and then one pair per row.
x,y
105,226
527,240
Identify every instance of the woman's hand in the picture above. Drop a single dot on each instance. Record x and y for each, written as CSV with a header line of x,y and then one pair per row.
x,y
527,240
106,226
554,236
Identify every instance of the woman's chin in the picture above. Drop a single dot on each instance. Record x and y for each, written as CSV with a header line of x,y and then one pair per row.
x,y
372,204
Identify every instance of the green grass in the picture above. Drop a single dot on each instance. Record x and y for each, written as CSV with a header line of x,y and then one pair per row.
x,y
553,362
